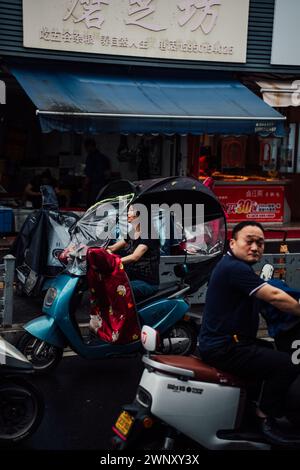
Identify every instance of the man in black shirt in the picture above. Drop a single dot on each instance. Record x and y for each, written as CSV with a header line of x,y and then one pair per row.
x,y
231,317
141,259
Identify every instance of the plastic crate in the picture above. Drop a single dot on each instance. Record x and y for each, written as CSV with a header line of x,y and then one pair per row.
x,y
6,220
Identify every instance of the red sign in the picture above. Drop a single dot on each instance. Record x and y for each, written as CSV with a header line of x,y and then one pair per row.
x,y
260,203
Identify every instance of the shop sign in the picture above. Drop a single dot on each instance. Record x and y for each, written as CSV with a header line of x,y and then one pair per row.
x,y
259,203
175,29
265,126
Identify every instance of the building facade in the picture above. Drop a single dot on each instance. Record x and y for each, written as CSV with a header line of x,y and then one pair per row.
x,y
170,82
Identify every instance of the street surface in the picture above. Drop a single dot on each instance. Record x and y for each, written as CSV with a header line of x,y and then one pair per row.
x,y
82,398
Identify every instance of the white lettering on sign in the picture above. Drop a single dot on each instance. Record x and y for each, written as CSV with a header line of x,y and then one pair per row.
x,y
190,47
91,13
140,9
180,29
194,47
66,36
199,13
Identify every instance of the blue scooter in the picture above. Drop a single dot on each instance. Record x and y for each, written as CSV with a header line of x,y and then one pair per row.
x,y
47,335
166,311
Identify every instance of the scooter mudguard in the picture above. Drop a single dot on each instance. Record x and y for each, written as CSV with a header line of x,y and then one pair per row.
x,y
163,314
64,286
45,329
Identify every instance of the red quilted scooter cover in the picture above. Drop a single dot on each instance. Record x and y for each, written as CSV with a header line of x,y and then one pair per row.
x,y
111,298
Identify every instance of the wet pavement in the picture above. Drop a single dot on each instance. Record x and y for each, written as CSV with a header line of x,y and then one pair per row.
x,y
82,397
82,400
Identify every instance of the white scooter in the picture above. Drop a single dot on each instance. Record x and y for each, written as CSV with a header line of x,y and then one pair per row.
x,y
183,401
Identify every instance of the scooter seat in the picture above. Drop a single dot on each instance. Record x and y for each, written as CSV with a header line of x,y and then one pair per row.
x,y
201,371
158,295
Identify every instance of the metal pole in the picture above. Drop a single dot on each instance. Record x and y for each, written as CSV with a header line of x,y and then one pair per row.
x,y
9,266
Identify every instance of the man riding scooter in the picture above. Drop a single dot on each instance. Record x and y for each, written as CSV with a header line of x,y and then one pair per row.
x,y
230,323
140,260
167,310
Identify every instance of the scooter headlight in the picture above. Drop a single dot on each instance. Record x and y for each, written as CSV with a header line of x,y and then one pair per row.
x,y
50,297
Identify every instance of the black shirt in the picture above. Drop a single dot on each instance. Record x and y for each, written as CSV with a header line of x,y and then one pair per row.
x,y
147,267
230,308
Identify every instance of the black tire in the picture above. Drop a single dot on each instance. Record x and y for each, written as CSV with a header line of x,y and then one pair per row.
x,y
21,410
43,356
183,330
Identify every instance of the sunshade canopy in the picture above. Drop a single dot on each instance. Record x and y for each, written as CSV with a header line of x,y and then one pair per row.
x,y
89,102
170,190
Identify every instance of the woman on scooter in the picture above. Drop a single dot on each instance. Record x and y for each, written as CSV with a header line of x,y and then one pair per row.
x,y
140,258
230,323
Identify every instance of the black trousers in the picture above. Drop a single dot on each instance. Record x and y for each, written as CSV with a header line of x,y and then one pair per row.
x,y
251,359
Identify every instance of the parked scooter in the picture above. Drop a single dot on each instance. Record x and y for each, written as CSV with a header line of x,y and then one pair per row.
x,y
42,238
21,404
181,402
167,311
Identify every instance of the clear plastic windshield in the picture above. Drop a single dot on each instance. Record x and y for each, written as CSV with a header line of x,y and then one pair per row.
x,y
179,233
96,228
207,238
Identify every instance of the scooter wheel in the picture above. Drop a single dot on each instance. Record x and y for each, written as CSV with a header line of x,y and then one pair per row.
x,y
181,339
43,356
21,410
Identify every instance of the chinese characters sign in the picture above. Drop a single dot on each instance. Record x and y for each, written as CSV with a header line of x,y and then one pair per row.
x,y
259,203
174,29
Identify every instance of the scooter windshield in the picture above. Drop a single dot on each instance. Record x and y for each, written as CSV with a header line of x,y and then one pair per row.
x,y
207,239
100,225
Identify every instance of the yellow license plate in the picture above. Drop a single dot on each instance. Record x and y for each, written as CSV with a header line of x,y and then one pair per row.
x,y
124,423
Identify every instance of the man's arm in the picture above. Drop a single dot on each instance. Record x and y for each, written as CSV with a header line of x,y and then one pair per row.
x,y
279,299
136,255
116,246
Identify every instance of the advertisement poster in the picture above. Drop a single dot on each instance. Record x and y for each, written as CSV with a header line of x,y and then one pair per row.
x,y
234,152
263,204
